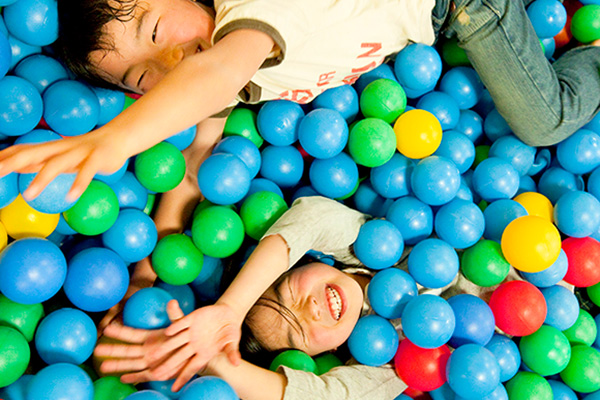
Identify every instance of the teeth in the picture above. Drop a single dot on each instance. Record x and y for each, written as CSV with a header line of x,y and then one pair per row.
x,y
335,301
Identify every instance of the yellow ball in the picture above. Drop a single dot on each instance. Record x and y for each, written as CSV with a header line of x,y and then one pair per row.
x,y
531,243
20,220
3,236
536,204
418,133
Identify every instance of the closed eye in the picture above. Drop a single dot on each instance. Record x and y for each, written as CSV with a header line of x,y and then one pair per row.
x,y
154,32
139,82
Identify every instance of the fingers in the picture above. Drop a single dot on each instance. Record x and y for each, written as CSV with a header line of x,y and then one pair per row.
x,y
174,311
119,350
20,157
126,334
233,354
179,325
54,167
170,345
187,373
87,171
123,365
108,318
147,376
166,367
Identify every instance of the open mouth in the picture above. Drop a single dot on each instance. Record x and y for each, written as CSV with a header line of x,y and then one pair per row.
x,y
334,301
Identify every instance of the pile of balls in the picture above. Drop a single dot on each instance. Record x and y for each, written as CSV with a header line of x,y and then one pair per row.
x,y
416,143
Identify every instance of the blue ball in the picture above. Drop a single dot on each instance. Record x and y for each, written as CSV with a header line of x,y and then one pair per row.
x,y
594,124
20,50
183,139
580,152
40,70
548,17
460,223
71,108
464,191
418,67
549,47
16,390
389,291
597,341
111,178
210,266
443,106
278,120
334,177
433,263
130,192
66,335
475,321
261,185
593,183
373,341
473,371
498,214
435,180
471,124
5,55
182,293
379,244
32,270
21,104
499,393
526,184
513,150
111,104
495,126
37,136
384,71
147,309
244,148
457,147
223,178
207,286
392,179
560,391
304,191
428,321
551,275
63,228
9,188
507,355
163,387
33,21
494,179
53,199
147,395
556,181
283,165
563,307
208,388
577,214
368,201
323,133
61,381
133,236
463,85
97,279
343,99
412,217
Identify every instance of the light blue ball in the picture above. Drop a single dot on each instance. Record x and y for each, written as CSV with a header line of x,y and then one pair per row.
x,y
471,124
61,381
433,263
384,71
40,70
278,120
244,149
260,185
594,124
147,395
323,133
33,21
16,390
392,179
130,192
389,291
443,106
208,388
147,309
373,341
418,67
435,180
53,199
428,321
111,178
5,55
577,214
560,391
495,126
473,371
334,177
368,201
133,236
563,307
283,165
183,139
580,152
548,17
475,321
412,217
457,147
379,244
223,178
460,223
182,293
38,136
551,275
499,393
343,99
556,181
21,104
111,104
549,47
9,188
71,108
20,50
507,355
463,85
498,214
513,150
495,179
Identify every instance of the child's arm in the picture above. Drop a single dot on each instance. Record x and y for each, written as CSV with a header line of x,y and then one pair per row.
x,y
200,86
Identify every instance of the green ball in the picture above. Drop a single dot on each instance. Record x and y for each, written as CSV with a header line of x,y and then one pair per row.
x,y
583,331
149,207
481,153
583,372
128,101
176,260
351,193
594,293
372,142
327,362
547,351
294,359
218,231
111,388
454,55
585,24
96,210
242,122
383,98
23,317
14,355
484,264
259,211
528,386
160,168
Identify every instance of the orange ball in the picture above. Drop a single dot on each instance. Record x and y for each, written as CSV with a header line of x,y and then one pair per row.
x,y
418,133
20,220
536,204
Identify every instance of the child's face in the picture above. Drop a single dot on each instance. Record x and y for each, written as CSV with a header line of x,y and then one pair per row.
x,y
159,35
326,302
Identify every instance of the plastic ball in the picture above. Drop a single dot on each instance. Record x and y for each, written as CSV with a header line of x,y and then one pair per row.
x,y
560,391
418,67
5,55
20,50
498,215
368,201
428,321
551,275
323,133
283,165
294,359
583,255
40,70
412,217
422,369
111,178
22,317
147,395
278,122
457,147
244,149
97,279
334,177
563,307
207,286
582,374
96,210
383,99
14,355
130,192
111,104
52,199
463,85
373,341
371,142
435,180
471,124
383,71
343,99
577,214
327,362
418,133
519,308
21,220
16,390
585,24
484,264
224,178
580,152
583,331
507,354
528,386
262,184
147,309
472,371
111,388
259,211
218,231
548,17
242,122
494,179
161,167
33,21
536,204
392,179
176,260
32,270
208,388
556,181
61,381
389,291
474,320
460,223
23,105
513,150
184,295
530,243
132,236
9,189
594,293
183,139
71,108
443,106
379,244
546,351
495,126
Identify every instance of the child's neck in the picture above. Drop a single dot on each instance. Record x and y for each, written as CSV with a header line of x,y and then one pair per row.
x,y
362,280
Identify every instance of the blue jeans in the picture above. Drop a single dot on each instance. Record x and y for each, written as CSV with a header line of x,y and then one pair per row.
x,y
543,103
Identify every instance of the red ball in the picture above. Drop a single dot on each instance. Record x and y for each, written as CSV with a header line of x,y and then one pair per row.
x,y
421,369
519,308
583,255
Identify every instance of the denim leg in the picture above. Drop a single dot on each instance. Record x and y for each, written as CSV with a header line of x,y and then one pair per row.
x,y
542,103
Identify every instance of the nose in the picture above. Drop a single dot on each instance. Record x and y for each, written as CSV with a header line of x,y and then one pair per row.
x,y
170,57
314,311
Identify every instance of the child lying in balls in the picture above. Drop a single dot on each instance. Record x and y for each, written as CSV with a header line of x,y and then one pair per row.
x,y
312,308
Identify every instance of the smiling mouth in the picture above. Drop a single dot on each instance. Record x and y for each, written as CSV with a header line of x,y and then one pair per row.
x,y
334,301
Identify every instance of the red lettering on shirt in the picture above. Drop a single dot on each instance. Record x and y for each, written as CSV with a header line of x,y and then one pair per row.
x,y
326,78
350,79
373,48
301,96
366,68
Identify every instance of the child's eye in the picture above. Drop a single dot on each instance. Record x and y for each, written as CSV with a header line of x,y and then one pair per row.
x,y
154,32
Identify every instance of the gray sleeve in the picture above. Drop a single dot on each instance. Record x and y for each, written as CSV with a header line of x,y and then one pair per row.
x,y
347,382
321,224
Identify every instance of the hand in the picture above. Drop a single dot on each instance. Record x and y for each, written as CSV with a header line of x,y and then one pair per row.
x,y
84,155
